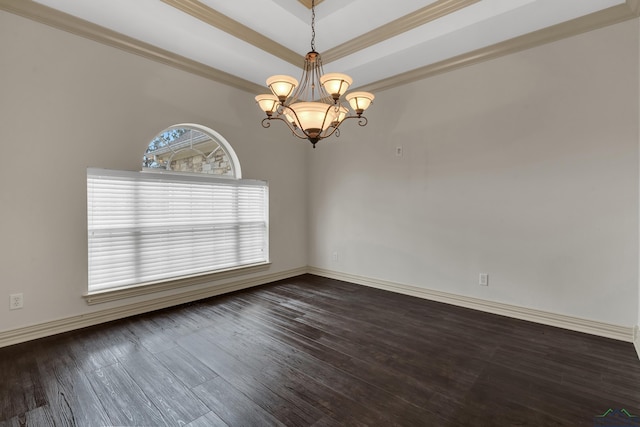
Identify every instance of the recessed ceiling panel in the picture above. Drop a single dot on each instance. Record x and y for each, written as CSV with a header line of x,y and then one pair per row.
x,y
370,39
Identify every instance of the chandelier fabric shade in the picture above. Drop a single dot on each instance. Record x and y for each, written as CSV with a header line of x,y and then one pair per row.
x,y
313,108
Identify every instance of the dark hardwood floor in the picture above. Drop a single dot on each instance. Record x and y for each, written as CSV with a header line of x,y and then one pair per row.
x,y
311,351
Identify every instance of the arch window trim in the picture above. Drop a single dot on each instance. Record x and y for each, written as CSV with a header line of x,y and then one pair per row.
x,y
223,144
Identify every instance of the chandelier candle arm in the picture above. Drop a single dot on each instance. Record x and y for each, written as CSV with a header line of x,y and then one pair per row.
x,y
342,114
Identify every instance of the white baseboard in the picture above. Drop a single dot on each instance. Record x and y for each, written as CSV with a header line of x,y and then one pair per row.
x,y
42,330
622,333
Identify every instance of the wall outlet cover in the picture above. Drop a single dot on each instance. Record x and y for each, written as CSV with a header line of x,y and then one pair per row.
x,y
16,301
483,280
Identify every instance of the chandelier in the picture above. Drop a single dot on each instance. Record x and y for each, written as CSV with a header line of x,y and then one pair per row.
x,y
313,109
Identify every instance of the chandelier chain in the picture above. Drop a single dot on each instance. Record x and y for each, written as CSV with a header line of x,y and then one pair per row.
x,y
313,25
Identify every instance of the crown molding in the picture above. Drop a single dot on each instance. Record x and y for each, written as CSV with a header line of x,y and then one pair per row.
x,y
408,22
62,21
216,19
593,21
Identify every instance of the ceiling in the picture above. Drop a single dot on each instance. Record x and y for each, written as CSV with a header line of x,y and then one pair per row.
x,y
380,43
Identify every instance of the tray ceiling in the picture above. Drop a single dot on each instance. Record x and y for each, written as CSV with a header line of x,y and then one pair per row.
x,y
378,42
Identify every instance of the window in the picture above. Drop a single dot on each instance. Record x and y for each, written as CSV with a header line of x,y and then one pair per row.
x,y
191,148
157,225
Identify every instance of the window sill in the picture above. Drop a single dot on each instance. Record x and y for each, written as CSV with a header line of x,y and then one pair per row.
x,y
100,297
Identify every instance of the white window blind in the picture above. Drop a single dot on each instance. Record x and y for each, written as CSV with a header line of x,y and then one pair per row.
x,y
148,227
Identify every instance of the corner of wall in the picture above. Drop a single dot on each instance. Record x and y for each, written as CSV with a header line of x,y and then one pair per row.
x,y
636,332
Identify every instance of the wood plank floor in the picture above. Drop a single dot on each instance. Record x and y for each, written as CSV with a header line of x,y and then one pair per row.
x,y
311,351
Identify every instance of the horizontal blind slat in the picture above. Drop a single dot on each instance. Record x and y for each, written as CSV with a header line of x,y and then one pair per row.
x,y
143,228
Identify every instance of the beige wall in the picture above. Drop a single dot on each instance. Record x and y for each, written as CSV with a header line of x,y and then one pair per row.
x,y
67,103
524,167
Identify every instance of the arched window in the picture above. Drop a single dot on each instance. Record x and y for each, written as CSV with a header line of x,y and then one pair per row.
x,y
187,213
192,148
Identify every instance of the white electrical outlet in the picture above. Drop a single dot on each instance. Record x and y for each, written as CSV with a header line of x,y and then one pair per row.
x,y
483,280
334,257
399,151
16,301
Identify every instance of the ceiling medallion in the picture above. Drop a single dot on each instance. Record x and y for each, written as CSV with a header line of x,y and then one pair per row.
x,y
313,110
308,3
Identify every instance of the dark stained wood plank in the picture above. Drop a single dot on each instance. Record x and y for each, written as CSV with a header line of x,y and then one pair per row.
x,y
146,332
185,366
507,396
389,338
39,417
123,400
233,407
315,351
327,422
349,359
119,339
176,325
86,350
252,382
375,364
68,390
569,368
339,380
175,401
297,386
210,419
21,387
